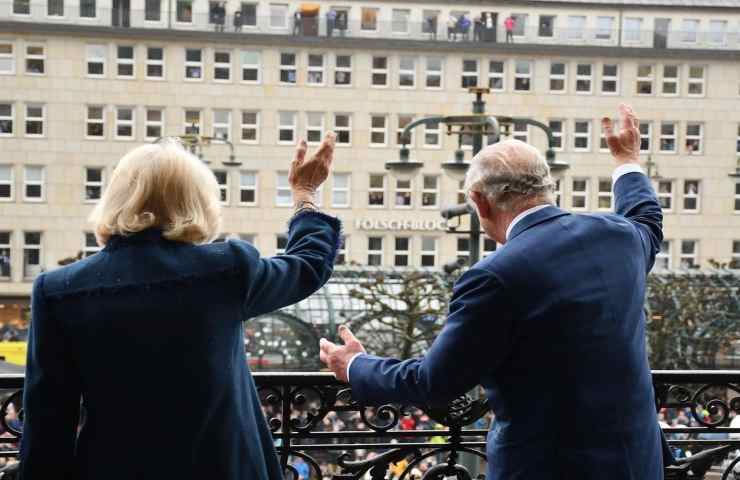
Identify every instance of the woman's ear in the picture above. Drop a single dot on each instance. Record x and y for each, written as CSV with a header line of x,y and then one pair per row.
x,y
481,204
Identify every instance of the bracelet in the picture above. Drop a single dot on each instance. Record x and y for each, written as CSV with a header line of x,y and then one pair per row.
x,y
305,205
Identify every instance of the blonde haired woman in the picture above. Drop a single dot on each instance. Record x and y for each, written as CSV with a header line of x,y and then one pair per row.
x,y
147,333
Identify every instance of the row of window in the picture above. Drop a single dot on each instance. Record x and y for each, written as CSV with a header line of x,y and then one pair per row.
x,y
405,194
688,255
321,69
314,125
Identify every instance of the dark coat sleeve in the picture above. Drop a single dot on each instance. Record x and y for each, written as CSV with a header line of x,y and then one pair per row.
x,y
635,200
478,332
51,397
308,262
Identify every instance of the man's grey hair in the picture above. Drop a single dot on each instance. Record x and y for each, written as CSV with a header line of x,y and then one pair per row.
x,y
512,174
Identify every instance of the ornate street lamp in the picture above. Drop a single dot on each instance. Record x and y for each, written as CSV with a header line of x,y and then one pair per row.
x,y
195,143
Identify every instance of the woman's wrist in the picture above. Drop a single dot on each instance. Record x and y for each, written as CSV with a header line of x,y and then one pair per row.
x,y
302,196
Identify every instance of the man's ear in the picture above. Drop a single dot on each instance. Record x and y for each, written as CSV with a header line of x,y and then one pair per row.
x,y
481,203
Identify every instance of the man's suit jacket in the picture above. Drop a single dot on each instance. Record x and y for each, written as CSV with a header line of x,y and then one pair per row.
x,y
148,333
552,326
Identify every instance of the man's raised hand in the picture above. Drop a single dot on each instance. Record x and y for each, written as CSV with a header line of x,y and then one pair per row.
x,y
337,357
625,144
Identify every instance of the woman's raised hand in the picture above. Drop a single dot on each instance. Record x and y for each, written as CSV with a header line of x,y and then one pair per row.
x,y
306,176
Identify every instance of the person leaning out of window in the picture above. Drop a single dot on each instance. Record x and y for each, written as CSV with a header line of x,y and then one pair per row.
x,y
147,333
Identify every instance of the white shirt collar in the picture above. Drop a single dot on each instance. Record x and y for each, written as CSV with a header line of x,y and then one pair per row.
x,y
521,216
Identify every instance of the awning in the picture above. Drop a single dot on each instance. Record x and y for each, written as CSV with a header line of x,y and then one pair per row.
x,y
310,9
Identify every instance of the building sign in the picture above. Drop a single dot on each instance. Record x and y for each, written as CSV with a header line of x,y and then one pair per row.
x,y
401,225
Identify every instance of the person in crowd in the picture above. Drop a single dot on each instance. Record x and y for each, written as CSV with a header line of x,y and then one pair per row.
x,y
238,21
478,29
331,20
431,27
297,23
156,316
564,289
463,27
509,25
452,28
219,16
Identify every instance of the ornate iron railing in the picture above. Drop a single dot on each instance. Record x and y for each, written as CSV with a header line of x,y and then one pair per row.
x,y
319,428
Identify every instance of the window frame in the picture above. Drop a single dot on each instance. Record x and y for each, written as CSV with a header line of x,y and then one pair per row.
x,y
580,194
610,78
691,80
342,129
123,123
154,123
216,125
578,135
347,190
223,66
10,183
667,80
8,118
379,71
492,74
585,78
149,62
87,183
34,56
10,56
194,64
688,196
292,127
558,77
343,70
428,73
95,121
32,246
383,130
254,187
381,190
430,191
313,69
662,136
90,59
126,62
254,66
28,118
601,194
528,76
40,183
406,71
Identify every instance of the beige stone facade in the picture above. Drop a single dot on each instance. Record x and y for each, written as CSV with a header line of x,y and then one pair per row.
x,y
97,79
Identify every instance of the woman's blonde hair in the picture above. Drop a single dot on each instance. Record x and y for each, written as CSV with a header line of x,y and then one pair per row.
x,y
160,185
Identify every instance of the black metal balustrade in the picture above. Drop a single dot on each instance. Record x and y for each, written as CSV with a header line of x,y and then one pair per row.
x,y
298,406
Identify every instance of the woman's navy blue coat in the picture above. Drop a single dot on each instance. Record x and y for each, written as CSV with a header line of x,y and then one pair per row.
x,y
148,333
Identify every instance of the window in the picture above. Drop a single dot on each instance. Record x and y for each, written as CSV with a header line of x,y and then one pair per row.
x,y
404,120
489,246
632,29
668,137
185,11
604,28
463,250
520,24
557,126
221,66
433,72
406,72
378,130
192,122
469,73
609,79
428,251
582,135
547,26
694,138
35,117
584,77
663,258
193,64
691,194
284,195
6,261
342,251
400,21
314,127
576,27
88,9
696,81
286,127
222,124
520,131
315,69
376,191
222,178
735,261
340,190
343,128
403,193
665,195
670,80
31,255
249,14
155,63
6,119
369,19
717,32
402,251
646,135
125,61
374,251
557,77
605,194
248,188
432,135
6,183
558,192
689,254
250,66
152,10
522,76
7,58
737,197
496,76
343,70
737,142
278,15
96,56
288,68
124,123
281,243
90,245
579,194
95,122
603,145
379,72
93,183
21,7
430,192
35,59
154,123
689,30
644,79
33,183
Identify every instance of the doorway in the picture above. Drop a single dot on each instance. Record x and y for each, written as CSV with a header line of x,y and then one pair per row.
x,y
121,13
660,35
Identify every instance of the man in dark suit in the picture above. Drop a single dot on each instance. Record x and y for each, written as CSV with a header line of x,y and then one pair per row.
x,y
551,325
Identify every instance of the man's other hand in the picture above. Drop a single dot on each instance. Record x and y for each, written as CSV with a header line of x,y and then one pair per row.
x,y
337,357
625,144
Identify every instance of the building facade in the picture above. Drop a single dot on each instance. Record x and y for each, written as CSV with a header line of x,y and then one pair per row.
x,y
82,82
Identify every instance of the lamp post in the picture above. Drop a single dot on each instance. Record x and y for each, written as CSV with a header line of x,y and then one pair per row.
x,y
195,144
478,126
